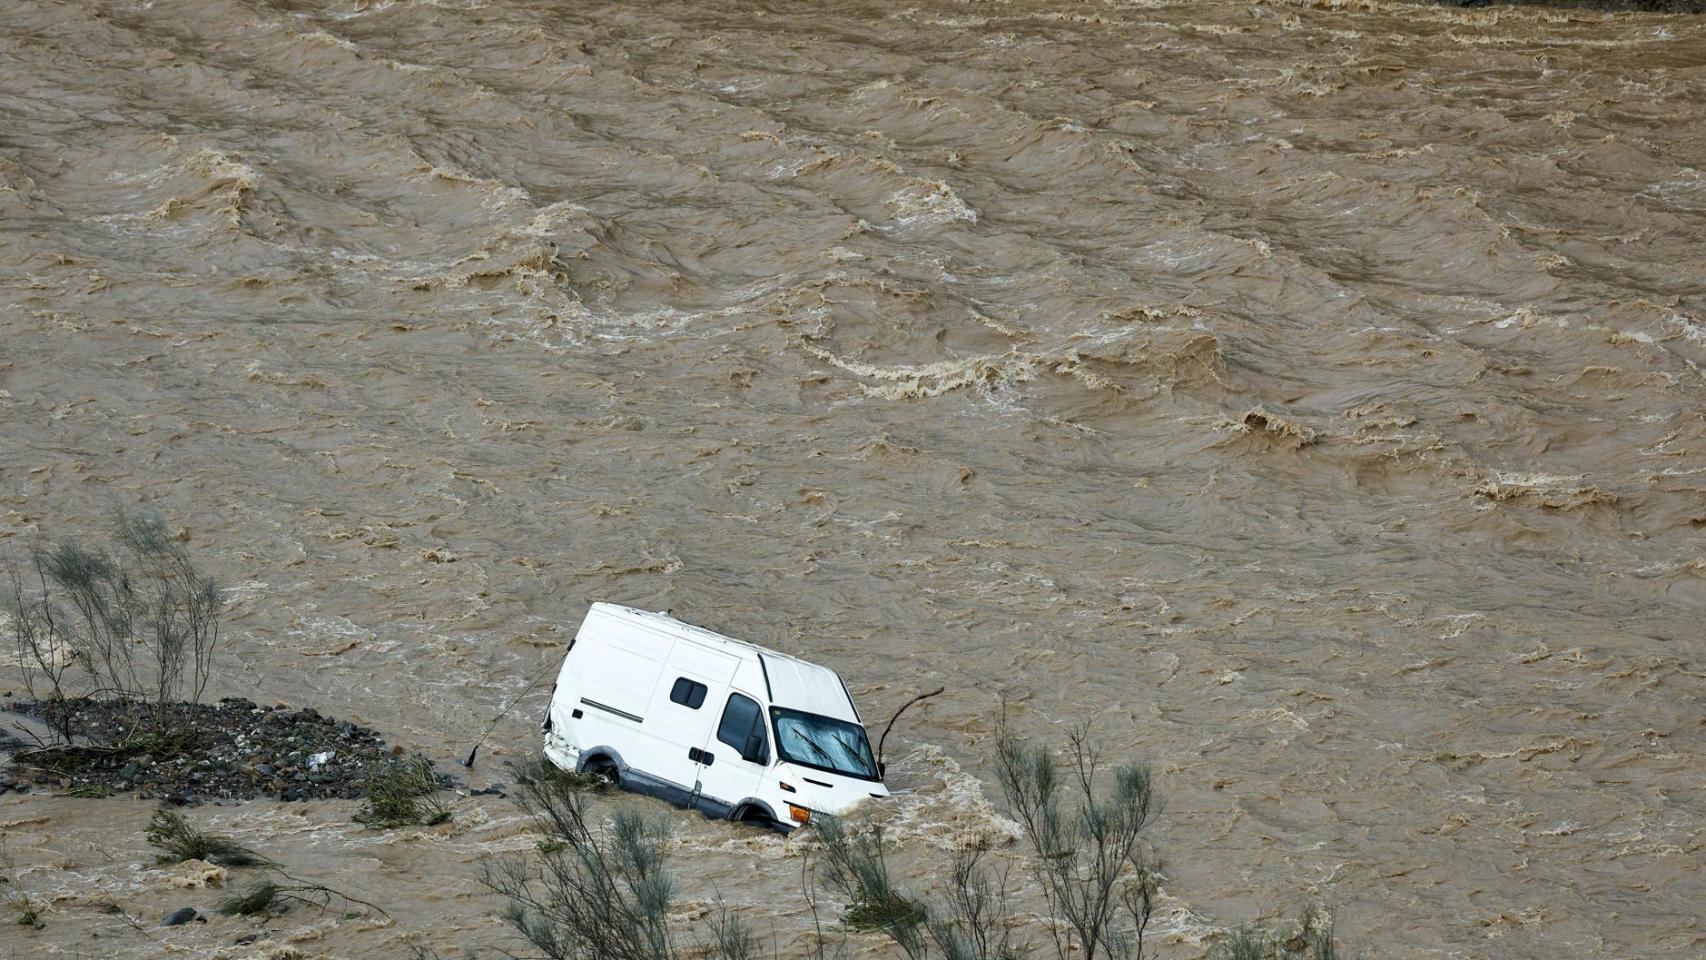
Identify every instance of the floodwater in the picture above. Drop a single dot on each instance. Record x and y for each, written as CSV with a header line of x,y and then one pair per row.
x,y
1309,397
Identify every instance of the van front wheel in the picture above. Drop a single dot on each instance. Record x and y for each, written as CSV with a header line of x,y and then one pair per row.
x,y
754,816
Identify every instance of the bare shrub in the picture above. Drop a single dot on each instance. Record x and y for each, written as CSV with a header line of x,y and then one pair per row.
x,y
178,841
1094,873
597,889
852,864
1243,944
259,898
590,893
1310,937
138,623
601,889
180,609
731,938
971,922
45,657
976,922
29,911
27,908
272,896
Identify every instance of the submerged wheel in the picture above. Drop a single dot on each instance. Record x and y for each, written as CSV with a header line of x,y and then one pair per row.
x,y
754,816
604,769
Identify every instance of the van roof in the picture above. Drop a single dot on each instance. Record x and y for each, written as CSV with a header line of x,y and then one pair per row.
x,y
792,681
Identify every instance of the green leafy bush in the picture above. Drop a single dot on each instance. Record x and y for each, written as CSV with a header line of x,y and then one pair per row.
x,y
406,792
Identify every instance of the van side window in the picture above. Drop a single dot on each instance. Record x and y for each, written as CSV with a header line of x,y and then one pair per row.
x,y
687,693
743,729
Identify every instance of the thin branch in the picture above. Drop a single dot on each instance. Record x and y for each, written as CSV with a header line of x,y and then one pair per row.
x,y
882,739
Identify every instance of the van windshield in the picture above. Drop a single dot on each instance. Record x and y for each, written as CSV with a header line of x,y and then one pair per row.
x,y
816,741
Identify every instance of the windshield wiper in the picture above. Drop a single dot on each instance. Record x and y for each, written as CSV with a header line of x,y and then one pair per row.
x,y
808,741
853,752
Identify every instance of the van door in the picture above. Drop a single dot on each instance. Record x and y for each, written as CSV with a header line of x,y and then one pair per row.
x,y
693,684
736,756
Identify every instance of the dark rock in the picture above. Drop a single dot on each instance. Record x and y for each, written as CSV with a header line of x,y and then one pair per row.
x,y
181,916
265,769
130,771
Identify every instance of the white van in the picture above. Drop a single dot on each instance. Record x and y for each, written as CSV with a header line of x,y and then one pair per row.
x,y
706,721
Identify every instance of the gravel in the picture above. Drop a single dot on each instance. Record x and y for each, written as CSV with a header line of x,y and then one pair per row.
x,y
231,750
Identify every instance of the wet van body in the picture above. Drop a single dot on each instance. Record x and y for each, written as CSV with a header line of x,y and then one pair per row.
x,y
730,728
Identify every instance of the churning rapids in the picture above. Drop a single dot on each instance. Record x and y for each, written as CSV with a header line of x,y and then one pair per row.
x,y
1311,399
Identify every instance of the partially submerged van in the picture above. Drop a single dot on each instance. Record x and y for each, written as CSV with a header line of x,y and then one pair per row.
x,y
733,729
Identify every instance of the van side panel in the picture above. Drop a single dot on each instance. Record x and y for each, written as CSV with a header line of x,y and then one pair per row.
x,y
626,679
680,727
628,670
611,664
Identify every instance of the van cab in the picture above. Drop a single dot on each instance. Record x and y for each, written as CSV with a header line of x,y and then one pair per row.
x,y
705,721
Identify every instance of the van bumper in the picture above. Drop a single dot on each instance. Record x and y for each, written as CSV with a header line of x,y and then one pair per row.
x,y
560,754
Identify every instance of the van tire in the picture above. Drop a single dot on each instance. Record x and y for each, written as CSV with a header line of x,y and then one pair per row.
x,y
755,815
605,769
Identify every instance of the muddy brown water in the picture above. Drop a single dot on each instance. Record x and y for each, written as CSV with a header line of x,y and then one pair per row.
x,y
1307,397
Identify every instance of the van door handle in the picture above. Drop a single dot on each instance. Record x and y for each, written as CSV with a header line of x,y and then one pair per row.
x,y
697,755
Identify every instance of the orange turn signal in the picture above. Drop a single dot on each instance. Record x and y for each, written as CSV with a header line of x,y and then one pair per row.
x,y
786,786
799,814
